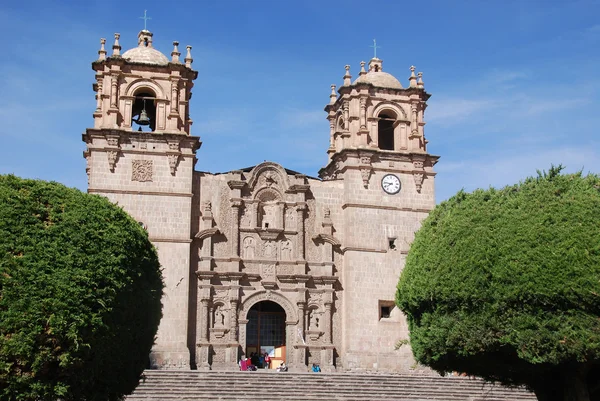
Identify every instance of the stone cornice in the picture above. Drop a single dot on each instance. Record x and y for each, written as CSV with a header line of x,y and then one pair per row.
x,y
381,207
175,240
360,249
138,192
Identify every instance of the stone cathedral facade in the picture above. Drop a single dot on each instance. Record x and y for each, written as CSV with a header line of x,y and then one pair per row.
x,y
265,259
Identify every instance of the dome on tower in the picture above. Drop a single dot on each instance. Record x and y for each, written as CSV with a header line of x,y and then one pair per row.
x,y
145,53
376,77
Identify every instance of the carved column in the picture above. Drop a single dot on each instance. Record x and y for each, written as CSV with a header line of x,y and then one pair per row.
x,y
363,113
236,204
331,132
233,321
346,116
254,215
99,95
204,320
302,318
328,325
413,117
280,217
174,97
113,91
300,227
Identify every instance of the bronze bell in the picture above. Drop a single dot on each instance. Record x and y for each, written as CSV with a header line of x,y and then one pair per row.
x,y
144,119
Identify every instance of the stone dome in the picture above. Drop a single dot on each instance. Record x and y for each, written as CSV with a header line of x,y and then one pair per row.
x,y
379,79
145,55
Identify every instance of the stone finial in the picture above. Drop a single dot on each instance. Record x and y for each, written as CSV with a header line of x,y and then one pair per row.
x,y
116,46
333,95
175,53
420,83
413,77
102,51
362,68
347,76
188,57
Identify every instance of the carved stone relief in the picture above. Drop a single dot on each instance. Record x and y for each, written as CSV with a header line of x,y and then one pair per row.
x,y
286,269
418,180
141,170
219,320
269,250
248,248
286,250
267,271
290,218
246,217
313,253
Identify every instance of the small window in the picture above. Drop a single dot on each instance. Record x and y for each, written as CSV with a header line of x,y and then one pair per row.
x,y
385,309
392,243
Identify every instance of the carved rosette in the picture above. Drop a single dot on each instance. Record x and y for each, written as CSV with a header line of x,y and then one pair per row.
x,y
141,170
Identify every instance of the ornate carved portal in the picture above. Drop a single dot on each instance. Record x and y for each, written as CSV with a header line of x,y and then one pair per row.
x,y
253,286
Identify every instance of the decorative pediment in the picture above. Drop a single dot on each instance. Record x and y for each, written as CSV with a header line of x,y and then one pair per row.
x,y
269,175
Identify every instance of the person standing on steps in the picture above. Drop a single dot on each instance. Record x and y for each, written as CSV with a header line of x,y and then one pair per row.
x,y
267,361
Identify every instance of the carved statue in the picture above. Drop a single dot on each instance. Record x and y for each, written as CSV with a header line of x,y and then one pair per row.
x,y
219,317
248,247
314,320
269,250
286,250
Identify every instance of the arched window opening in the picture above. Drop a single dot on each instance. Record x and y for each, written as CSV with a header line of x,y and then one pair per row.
x,y
144,111
340,124
386,131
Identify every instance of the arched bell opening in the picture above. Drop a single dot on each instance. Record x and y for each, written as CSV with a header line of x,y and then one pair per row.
x,y
266,333
143,114
385,128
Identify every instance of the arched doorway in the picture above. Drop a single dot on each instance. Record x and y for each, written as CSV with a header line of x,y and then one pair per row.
x,y
265,331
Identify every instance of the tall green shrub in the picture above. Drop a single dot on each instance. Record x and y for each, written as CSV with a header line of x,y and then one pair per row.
x,y
505,284
80,289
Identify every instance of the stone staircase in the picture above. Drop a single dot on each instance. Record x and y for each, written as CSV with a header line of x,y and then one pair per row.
x,y
163,385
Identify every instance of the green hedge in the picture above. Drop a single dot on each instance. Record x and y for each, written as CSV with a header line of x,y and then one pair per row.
x,y
80,289
505,284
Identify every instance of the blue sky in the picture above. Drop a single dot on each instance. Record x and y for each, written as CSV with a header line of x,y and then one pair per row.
x,y
515,84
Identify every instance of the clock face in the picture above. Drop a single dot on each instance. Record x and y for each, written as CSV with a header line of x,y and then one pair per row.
x,y
390,184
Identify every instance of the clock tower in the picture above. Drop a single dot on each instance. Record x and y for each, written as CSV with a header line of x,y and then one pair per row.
x,y
378,154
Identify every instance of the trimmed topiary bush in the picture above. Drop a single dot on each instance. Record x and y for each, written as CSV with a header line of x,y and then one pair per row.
x,y
80,290
505,285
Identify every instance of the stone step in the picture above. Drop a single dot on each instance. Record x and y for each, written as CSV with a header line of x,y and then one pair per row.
x,y
160,385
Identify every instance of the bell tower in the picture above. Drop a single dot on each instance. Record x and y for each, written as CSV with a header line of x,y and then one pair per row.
x,y
378,158
140,154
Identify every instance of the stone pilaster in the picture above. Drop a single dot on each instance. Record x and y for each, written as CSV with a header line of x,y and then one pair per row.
x,y
236,204
300,227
